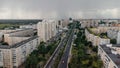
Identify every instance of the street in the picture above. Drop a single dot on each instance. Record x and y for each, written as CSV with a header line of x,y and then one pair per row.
x,y
56,52
63,63
67,39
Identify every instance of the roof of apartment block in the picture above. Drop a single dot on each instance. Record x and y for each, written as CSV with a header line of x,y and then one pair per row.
x,y
113,57
18,44
19,30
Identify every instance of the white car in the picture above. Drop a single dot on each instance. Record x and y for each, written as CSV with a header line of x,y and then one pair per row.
x,y
63,61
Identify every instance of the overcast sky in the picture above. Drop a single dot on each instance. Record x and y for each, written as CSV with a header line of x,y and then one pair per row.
x,y
37,9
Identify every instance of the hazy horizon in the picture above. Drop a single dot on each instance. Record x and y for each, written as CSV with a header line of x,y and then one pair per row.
x,y
39,9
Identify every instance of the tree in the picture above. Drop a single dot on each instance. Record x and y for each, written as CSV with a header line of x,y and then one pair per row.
x,y
113,41
70,18
48,48
88,43
99,64
80,54
95,49
42,49
31,61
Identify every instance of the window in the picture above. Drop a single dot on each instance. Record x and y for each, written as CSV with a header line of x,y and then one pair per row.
x,y
114,67
0,55
14,56
107,58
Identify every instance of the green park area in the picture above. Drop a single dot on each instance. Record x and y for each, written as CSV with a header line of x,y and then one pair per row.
x,y
12,26
84,54
39,57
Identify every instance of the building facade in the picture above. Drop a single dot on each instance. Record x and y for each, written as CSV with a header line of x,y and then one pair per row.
x,y
96,40
18,36
110,55
13,56
47,29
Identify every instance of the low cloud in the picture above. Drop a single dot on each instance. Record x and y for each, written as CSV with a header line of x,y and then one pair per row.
x,y
37,9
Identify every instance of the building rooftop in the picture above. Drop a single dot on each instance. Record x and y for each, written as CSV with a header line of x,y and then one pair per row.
x,y
18,31
99,34
17,44
114,57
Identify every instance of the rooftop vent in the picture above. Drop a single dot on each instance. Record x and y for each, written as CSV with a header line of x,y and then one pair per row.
x,y
109,45
114,52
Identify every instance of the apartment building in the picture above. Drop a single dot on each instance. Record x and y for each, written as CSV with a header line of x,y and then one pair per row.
x,y
22,42
47,29
118,38
2,32
17,36
99,23
13,56
89,23
112,33
65,22
96,40
110,55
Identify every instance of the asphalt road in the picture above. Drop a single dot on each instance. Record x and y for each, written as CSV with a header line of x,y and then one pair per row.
x,y
63,62
56,52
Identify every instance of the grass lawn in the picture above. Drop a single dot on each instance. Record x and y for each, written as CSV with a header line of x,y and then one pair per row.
x,y
2,26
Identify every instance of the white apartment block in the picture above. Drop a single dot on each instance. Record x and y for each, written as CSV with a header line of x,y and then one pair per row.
x,y
15,55
96,40
18,36
96,23
47,29
118,38
20,44
110,55
1,36
104,29
65,22
2,32
104,41
89,23
112,33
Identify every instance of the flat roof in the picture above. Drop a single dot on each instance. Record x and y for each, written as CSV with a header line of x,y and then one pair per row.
x,y
17,44
19,30
113,57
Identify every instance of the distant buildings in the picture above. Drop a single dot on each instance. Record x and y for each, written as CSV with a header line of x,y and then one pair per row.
x,y
89,23
33,26
110,55
99,22
65,22
60,24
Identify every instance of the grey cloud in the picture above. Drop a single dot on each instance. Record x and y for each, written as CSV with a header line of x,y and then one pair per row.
x,y
59,8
